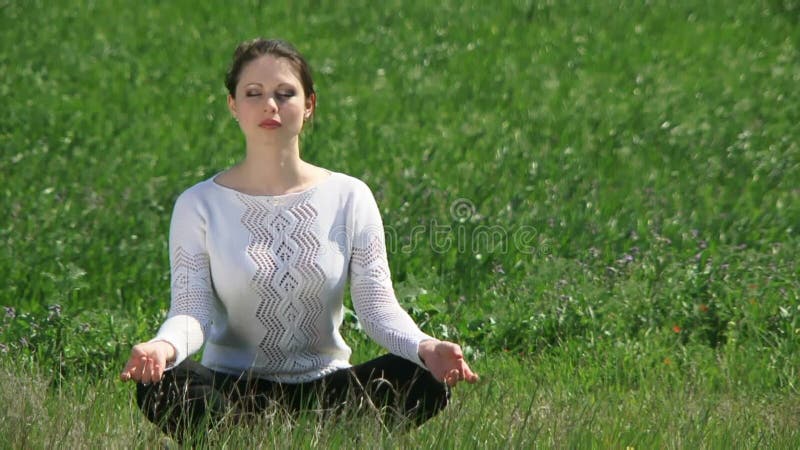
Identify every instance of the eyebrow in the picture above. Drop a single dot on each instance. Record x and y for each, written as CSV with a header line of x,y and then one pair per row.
x,y
282,84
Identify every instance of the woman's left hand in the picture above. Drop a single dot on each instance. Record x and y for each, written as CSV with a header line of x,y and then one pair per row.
x,y
446,362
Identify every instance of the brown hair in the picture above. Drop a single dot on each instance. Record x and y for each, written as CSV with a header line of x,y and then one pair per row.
x,y
253,48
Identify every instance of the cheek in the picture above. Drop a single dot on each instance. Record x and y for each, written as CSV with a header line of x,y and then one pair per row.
x,y
293,108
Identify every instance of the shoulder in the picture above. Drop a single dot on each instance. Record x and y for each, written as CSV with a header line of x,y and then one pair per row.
x,y
195,197
199,190
350,185
356,200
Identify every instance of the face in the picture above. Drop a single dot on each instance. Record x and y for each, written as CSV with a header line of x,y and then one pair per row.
x,y
270,104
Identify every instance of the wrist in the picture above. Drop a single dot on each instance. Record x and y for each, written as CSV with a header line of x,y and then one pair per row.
x,y
169,351
426,348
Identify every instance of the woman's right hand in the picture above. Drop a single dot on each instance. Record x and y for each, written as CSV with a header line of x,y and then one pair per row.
x,y
148,361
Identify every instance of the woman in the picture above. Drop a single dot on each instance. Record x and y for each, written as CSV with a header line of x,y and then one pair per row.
x,y
260,255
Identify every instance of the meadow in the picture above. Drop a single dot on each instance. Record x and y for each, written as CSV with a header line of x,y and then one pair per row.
x,y
600,200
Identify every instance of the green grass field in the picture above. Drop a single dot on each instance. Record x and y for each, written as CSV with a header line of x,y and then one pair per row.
x,y
600,200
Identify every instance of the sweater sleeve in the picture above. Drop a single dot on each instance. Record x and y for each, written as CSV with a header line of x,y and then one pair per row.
x,y
371,289
192,293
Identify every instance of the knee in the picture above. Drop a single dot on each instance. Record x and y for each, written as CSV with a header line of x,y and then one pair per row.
x,y
147,396
437,391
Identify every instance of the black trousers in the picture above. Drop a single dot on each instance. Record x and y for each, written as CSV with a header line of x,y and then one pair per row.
x,y
191,395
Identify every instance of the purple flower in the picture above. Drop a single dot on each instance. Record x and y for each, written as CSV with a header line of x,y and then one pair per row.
x,y
10,312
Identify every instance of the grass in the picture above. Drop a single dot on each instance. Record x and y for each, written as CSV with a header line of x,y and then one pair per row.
x,y
603,399
598,199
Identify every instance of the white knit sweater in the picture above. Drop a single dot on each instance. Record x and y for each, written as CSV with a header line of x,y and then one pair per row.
x,y
260,279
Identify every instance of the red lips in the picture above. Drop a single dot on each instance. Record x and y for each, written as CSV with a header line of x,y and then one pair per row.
x,y
269,124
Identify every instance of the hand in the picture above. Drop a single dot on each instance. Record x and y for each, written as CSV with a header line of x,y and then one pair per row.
x,y
148,361
446,362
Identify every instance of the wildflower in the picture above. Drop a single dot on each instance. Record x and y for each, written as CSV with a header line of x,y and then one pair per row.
x,y
626,258
676,329
10,312
667,361
55,310
23,342
84,327
703,307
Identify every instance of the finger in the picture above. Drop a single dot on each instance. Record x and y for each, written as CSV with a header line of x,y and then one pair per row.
x,y
145,371
125,375
148,371
446,377
452,381
452,377
134,371
468,374
159,373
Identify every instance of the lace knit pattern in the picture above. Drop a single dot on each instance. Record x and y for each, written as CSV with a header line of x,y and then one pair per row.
x,y
258,282
191,286
375,302
288,280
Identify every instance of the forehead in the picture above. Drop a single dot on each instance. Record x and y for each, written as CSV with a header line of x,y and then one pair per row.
x,y
267,70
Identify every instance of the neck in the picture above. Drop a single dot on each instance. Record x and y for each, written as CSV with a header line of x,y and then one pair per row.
x,y
274,169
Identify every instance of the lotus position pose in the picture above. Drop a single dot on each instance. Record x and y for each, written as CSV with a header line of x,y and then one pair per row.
x,y
260,255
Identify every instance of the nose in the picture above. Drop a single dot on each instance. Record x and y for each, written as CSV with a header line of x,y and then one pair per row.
x,y
271,105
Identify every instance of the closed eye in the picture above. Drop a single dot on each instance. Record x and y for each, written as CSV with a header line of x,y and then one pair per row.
x,y
285,94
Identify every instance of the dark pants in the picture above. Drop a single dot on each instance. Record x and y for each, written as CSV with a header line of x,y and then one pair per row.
x,y
190,395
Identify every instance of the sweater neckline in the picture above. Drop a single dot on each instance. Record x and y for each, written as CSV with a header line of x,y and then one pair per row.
x,y
287,196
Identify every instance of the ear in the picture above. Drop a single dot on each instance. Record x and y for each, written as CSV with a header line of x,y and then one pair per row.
x,y
232,106
311,106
